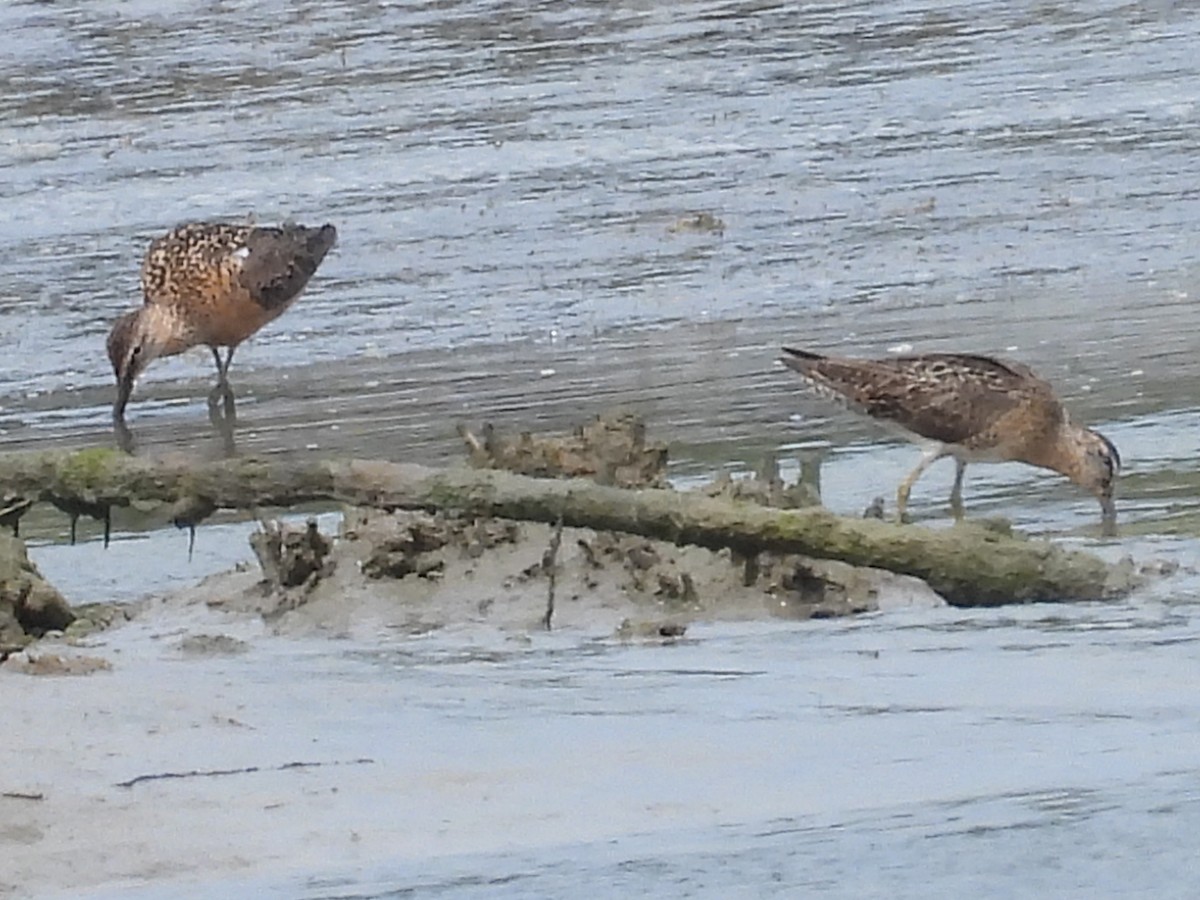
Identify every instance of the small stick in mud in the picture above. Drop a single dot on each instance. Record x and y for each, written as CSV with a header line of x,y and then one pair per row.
x,y
550,567
22,795
211,773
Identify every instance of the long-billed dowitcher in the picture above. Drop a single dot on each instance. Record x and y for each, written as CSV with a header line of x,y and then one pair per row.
x,y
973,408
212,283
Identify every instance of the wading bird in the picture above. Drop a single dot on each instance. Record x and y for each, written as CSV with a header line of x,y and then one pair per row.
x,y
215,284
973,408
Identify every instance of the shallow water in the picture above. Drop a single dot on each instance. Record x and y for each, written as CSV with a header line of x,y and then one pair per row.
x,y
507,185
1044,749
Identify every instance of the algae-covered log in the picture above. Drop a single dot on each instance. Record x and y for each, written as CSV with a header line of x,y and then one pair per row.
x,y
968,566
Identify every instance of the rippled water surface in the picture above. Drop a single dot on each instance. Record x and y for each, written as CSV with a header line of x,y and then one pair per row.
x,y
512,186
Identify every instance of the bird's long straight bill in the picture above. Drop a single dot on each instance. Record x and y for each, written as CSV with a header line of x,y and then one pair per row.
x,y
124,392
1108,516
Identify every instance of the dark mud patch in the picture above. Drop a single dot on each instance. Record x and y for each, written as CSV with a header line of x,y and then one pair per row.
x,y
415,572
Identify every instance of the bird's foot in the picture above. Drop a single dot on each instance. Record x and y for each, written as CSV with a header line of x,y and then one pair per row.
x,y
123,436
221,402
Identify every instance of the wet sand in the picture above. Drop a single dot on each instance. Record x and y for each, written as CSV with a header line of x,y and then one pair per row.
x,y
189,693
473,754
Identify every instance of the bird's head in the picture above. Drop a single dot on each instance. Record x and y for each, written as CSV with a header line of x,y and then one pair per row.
x,y
1098,466
133,344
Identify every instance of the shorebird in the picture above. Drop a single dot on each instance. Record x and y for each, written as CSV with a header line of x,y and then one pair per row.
x,y
973,408
212,283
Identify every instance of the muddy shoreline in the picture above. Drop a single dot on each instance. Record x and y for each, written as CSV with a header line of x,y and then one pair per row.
x,y
396,578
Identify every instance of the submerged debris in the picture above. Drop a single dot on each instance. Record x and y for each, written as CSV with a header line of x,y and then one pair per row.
x,y
188,512
611,449
206,645
767,488
666,631
78,505
12,507
702,222
291,557
36,662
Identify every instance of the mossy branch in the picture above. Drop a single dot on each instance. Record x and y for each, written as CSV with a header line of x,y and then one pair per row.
x,y
968,566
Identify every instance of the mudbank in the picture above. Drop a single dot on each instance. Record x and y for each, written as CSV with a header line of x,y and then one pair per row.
x,y
595,535
414,571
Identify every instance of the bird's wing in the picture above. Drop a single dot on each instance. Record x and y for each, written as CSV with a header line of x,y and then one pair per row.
x,y
274,264
943,397
192,260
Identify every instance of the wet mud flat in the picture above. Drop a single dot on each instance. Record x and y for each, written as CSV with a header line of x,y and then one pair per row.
x,y
354,691
346,734
177,671
378,705
386,588
387,710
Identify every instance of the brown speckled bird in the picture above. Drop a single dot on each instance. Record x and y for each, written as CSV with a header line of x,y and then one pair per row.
x,y
216,284
973,408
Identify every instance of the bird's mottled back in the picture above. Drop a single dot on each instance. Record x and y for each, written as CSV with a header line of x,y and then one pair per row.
x,y
201,260
953,398
974,408
212,283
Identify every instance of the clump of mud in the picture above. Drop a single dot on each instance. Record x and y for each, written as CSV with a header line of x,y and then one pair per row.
x,y
415,571
30,607
412,572
767,488
34,661
419,544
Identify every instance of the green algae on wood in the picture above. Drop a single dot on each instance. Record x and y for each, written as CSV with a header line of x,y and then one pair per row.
x,y
968,565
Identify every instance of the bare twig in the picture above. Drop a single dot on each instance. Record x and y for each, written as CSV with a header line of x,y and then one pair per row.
x,y
550,567
211,773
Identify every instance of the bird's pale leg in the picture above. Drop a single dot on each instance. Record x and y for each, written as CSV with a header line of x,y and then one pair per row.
x,y
222,412
218,389
928,458
222,393
956,500
230,409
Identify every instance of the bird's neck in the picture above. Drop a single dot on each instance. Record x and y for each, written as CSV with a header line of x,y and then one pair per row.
x,y
171,334
1063,452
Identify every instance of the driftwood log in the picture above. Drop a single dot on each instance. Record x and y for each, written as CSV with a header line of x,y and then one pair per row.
x,y
969,566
